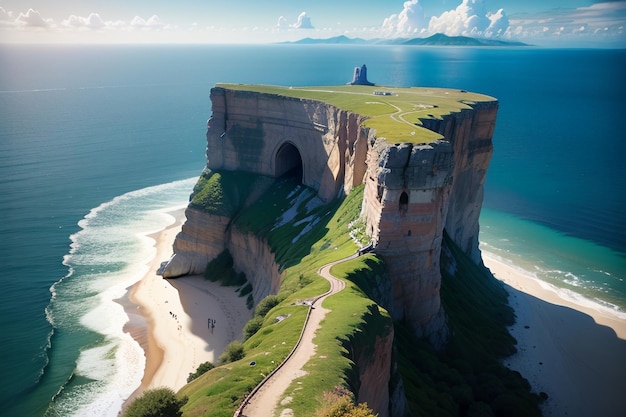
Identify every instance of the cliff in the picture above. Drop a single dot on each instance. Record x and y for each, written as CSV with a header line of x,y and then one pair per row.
x,y
422,155
202,238
413,190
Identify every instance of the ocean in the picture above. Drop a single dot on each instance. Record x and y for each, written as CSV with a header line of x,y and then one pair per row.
x,y
97,143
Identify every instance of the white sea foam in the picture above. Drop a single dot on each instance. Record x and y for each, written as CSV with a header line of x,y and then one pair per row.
x,y
563,293
119,367
107,256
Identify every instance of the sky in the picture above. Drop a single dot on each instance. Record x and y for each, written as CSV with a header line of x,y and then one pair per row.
x,y
552,23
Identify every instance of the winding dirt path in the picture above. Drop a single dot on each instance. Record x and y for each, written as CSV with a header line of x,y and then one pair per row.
x,y
263,400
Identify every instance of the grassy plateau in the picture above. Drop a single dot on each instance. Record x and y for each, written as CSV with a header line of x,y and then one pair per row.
x,y
395,113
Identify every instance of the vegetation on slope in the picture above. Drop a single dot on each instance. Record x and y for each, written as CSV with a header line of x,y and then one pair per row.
x,y
349,330
159,402
202,368
395,113
226,193
467,379
304,234
340,403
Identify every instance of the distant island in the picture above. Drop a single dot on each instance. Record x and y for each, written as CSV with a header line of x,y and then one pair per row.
x,y
438,39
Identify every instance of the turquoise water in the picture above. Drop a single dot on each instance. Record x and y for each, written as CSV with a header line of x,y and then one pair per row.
x,y
574,265
96,143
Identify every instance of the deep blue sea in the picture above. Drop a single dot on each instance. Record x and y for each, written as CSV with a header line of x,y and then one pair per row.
x,y
98,142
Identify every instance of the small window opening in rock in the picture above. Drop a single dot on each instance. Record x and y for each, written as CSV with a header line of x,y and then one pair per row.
x,y
404,202
408,233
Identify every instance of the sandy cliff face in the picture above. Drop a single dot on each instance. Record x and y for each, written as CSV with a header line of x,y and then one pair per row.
x,y
470,134
202,238
253,257
374,375
405,204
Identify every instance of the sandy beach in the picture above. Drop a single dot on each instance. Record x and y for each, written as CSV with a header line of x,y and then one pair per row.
x,y
573,350
170,318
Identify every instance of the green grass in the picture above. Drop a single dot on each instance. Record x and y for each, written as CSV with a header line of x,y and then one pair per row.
x,y
219,391
225,193
370,275
396,117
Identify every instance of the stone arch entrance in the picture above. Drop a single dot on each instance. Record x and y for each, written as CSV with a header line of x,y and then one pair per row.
x,y
288,162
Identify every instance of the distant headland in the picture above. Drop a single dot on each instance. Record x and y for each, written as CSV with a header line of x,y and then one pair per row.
x,y
438,39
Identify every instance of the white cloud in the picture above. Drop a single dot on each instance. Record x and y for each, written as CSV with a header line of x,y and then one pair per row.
x,y
410,21
304,22
5,16
93,21
602,22
470,18
499,23
282,23
32,18
152,23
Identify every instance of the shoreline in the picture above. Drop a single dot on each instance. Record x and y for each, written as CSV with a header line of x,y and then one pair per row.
x,y
575,352
169,318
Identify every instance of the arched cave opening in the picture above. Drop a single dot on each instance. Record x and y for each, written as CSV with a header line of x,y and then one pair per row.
x,y
289,162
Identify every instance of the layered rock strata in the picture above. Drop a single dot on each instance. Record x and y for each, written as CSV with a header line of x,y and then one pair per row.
x,y
267,134
405,205
204,236
413,192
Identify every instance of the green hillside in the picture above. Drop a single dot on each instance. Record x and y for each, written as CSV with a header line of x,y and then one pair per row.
x,y
219,391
